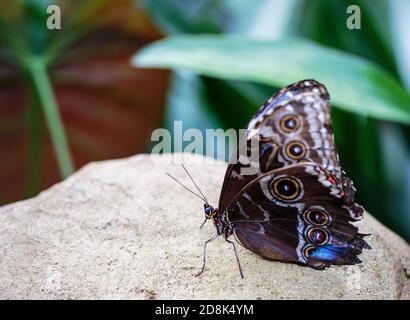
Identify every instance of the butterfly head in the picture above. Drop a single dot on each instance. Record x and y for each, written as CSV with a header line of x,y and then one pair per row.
x,y
210,214
210,211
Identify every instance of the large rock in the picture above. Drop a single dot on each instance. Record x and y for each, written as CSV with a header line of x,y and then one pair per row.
x,y
123,229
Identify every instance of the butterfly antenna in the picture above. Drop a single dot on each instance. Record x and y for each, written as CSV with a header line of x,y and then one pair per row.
x,y
206,201
186,187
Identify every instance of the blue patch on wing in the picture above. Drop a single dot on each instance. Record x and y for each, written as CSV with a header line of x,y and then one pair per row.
x,y
329,252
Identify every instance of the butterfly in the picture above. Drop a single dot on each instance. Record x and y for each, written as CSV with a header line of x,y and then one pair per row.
x,y
298,205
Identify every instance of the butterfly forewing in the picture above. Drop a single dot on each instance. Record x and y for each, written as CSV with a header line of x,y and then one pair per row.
x,y
293,126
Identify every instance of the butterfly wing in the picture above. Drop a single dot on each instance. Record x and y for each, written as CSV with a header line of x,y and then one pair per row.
x,y
297,214
293,126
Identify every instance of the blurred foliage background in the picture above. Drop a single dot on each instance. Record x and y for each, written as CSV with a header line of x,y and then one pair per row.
x,y
71,96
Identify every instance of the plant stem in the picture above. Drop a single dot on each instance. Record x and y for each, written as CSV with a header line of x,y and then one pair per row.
x,y
34,119
37,69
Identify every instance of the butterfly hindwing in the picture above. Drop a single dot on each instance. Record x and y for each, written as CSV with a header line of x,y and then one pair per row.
x,y
295,214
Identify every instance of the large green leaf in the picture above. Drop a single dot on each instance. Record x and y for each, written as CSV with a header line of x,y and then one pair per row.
x,y
355,85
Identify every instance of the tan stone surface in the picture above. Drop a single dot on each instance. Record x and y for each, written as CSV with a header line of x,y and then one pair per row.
x,y
123,229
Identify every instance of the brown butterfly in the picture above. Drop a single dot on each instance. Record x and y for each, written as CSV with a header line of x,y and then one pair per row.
x,y
299,206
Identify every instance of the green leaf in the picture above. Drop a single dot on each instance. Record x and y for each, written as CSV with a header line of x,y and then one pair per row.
x,y
355,85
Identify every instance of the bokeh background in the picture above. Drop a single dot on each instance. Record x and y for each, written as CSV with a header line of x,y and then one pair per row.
x,y
88,92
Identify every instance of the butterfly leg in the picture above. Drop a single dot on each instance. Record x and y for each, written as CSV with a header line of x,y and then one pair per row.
x,y
204,261
206,219
236,254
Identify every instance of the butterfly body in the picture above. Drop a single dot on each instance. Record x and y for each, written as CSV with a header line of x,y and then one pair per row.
x,y
299,206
